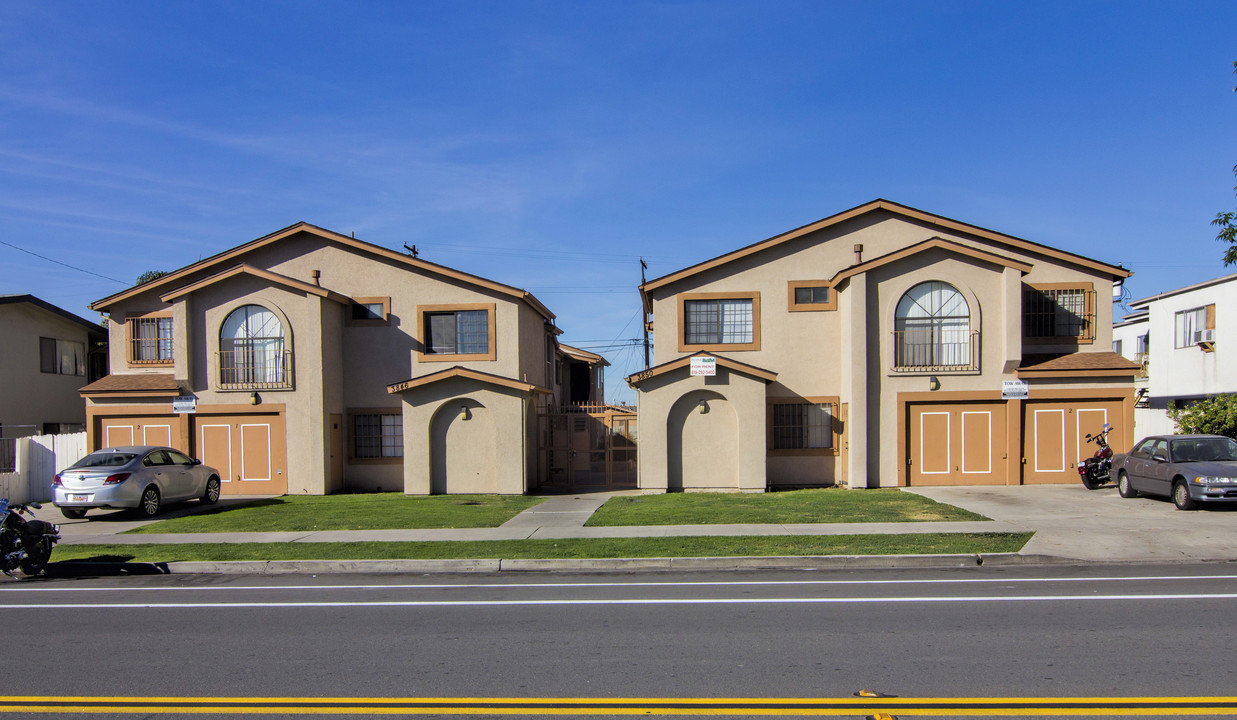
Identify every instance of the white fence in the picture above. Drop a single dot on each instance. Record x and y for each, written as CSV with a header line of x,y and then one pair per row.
x,y
38,458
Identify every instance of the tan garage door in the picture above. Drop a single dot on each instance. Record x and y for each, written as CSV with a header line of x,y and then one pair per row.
x,y
957,444
153,430
247,450
1054,432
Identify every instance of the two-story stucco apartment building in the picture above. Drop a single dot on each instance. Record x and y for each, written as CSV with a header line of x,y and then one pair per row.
x,y
881,346
307,361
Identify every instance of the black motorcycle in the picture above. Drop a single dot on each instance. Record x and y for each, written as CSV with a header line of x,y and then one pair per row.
x,y
1096,471
24,544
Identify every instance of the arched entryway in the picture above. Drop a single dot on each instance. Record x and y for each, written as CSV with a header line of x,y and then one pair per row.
x,y
463,449
702,443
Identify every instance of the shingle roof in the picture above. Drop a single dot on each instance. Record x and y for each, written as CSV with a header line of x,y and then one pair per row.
x,y
1078,362
134,382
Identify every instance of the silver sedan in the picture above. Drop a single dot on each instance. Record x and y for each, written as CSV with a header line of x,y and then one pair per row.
x,y
142,477
1191,469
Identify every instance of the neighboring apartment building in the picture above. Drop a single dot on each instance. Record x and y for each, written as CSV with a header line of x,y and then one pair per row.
x,y
46,355
307,361
1181,338
882,346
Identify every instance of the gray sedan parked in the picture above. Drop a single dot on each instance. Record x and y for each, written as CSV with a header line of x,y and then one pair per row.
x,y
141,477
1191,469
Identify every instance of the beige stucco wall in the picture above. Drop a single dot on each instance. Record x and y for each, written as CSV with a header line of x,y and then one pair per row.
x,y
847,352
464,436
684,449
27,395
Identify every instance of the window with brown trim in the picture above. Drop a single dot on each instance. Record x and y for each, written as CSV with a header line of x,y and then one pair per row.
x,y
719,320
369,312
1193,326
377,435
811,296
149,339
456,332
803,426
1059,312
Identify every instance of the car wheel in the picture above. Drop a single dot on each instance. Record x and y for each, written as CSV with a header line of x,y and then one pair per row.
x,y
1124,489
149,506
1181,497
212,491
73,513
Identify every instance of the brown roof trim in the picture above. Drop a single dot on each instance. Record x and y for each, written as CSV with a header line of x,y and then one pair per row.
x,y
929,244
267,275
468,374
635,379
133,385
169,281
897,209
583,355
1081,364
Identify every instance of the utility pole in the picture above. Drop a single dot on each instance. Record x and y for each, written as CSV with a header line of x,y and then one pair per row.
x,y
644,313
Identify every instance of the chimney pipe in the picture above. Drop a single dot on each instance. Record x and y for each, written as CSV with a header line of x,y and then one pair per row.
x,y
858,253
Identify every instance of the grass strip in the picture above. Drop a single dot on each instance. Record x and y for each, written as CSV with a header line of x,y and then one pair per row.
x,y
822,505
713,546
368,511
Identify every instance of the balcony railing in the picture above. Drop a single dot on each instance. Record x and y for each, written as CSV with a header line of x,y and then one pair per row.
x,y
250,369
918,351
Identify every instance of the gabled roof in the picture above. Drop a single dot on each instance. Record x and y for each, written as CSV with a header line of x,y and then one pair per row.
x,y
228,258
268,276
896,209
583,355
42,304
458,371
929,244
133,384
767,376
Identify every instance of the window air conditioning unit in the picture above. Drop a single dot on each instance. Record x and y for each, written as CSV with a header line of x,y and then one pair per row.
x,y
1202,336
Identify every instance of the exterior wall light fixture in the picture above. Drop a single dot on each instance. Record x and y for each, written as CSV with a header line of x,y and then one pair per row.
x,y
254,398
703,407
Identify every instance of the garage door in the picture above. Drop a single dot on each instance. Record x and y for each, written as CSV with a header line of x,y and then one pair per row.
x,y
1054,432
247,450
957,444
153,430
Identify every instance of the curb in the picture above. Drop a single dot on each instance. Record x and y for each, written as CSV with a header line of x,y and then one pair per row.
x,y
611,565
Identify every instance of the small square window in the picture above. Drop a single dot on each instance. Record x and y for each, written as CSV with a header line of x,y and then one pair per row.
x,y
811,296
368,311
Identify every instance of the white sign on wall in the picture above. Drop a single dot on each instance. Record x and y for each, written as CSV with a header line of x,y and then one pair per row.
x,y
1014,390
185,404
704,366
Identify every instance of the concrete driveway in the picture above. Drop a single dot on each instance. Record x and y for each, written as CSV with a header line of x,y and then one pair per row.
x,y
1098,525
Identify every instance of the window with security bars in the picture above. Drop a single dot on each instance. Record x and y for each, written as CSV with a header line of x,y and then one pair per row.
x,y
377,435
462,332
1050,313
802,426
717,322
932,329
150,340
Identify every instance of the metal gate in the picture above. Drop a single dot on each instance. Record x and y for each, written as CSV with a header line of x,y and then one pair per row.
x,y
586,447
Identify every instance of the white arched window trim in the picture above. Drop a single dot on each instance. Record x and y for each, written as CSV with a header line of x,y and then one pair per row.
x,y
932,329
253,352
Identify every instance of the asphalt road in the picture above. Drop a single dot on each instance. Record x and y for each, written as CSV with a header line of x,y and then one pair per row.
x,y
644,642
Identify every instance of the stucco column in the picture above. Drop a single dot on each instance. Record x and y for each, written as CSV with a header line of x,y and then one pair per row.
x,y
1011,310
855,374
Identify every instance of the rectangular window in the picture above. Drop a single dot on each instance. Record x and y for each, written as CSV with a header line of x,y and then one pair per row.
x,y
1116,346
377,435
1059,312
718,322
62,357
150,340
802,426
456,332
1141,343
369,311
1194,326
811,296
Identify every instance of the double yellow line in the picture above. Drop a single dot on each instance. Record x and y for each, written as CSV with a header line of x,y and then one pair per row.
x,y
852,706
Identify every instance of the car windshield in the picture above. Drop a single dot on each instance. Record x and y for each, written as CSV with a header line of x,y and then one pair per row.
x,y
104,459
1204,450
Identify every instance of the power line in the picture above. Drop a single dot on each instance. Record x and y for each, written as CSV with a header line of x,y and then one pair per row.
x,y
71,267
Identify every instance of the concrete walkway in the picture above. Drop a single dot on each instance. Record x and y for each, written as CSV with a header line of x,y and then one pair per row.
x,y
1071,524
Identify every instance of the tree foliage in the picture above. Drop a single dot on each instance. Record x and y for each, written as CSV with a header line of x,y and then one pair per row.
x,y
150,275
1227,221
1217,416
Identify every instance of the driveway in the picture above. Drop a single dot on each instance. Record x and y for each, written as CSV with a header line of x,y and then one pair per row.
x,y
1098,525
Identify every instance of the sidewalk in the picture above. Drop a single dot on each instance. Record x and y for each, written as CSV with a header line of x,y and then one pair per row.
x,y
1071,525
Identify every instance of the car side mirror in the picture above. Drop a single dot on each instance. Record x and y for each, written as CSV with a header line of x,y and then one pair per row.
x,y
1159,458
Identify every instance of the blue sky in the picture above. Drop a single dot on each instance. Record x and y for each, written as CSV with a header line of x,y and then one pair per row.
x,y
549,145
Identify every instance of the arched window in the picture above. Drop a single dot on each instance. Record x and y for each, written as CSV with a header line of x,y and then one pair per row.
x,y
932,329
252,352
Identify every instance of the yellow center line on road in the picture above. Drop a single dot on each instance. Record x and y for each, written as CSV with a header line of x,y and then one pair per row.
x,y
923,707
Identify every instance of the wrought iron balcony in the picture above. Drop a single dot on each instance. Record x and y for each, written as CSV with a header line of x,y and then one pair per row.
x,y
921,351
249,369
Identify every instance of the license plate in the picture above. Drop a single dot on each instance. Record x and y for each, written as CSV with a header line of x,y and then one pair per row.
x,y
79,498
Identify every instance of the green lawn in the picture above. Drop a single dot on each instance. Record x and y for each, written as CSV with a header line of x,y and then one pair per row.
x,y
373,511
765,546
829,505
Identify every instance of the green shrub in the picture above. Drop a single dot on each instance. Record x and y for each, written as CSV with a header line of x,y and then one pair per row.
x,y
1216,416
